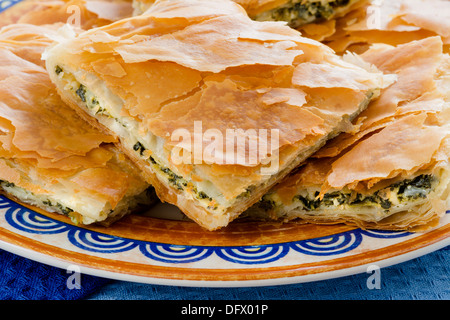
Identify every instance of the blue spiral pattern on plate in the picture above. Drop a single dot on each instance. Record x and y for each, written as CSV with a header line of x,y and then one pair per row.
x,y
100,243
329,245
29,221
32,222
253,254
383,234
170,253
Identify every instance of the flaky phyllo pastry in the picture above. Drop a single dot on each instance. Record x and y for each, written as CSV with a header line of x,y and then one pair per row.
x,y
84,14
49,156
214,108
295,12
391,22
392,171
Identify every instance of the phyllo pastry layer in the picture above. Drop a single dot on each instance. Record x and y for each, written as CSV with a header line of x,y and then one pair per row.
x,y
84,14
392,171
295,12
391,22
49,156
214,108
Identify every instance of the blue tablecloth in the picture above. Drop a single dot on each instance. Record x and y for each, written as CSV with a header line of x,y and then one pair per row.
x,y
423,278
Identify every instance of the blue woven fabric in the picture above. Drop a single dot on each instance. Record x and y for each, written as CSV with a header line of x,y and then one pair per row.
x,y
24,279
424,278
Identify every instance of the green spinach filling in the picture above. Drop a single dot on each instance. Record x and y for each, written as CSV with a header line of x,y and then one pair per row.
x,y
297,12
81,92
85,96
91,102
60,208
47,202
58,70
406,190
177,181
182,184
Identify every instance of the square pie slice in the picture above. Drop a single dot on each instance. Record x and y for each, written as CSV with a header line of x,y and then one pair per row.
x,y
295,12
213,107
84,14
298,13
49,157
390,22
392,172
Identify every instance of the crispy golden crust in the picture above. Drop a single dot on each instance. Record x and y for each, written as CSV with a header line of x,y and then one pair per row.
x,y
252,6
45,147
173,196
85,14
389,22
401,135
257,7
187,61
422,219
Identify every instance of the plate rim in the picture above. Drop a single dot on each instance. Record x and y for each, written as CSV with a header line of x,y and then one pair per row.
x,y
258,275
64,264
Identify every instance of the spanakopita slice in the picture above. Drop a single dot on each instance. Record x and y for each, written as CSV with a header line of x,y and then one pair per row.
x,y
391,22
214,108
49,157
295,12
392,171
84,14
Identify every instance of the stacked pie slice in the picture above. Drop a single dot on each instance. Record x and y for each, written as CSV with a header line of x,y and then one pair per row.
x,y
228,109
205,68
392,171
49,157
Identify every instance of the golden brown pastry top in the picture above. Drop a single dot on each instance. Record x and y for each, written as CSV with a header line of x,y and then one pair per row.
x,y
254,7
44,142
402,133
85,14
198,60
390,22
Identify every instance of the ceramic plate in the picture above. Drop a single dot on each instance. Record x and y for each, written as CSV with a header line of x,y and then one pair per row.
x,y
161,247
148,248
